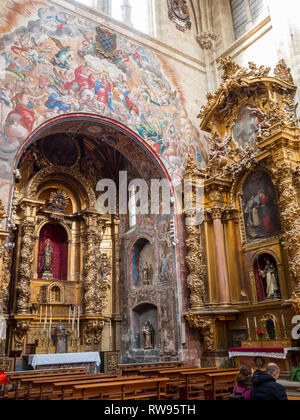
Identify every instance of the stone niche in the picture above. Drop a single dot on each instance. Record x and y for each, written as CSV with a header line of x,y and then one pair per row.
x,y
142,264
142,314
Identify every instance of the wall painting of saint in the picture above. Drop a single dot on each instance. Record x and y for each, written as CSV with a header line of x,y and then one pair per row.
x,y
259,207
246,126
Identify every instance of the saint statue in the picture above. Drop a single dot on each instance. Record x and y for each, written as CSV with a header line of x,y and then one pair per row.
x,y
146,280
149,336
270,274
47,257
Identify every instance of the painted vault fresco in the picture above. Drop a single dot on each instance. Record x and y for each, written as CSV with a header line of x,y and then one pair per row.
x,y
57,63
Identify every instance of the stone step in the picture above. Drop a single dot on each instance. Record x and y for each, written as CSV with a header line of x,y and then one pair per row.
x,y
290,387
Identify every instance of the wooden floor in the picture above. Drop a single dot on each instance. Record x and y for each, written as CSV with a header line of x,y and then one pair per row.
x,y
136,382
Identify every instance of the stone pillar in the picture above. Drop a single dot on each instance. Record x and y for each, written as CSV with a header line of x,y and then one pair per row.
x,y
223,280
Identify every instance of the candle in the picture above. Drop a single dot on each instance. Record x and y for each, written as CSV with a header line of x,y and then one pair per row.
x,y
248,326
70,315
283,323
50,321
46,313
78,322
73,320
110,332
41,311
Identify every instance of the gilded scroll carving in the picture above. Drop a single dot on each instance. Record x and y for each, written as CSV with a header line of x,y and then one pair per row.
x,y
96,266
92,332
290,217
20,333
25,270
206,329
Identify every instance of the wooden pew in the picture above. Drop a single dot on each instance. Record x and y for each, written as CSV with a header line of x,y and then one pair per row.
x,y
141,389
41,388
198,385
20,383
131,368
222,384
176,382
63,390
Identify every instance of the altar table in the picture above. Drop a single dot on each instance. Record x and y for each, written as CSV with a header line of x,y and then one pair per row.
x,y
259,357
50,361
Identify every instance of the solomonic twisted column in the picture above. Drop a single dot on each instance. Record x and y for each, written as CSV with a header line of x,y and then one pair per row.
x,y
290,219
25,271
92,264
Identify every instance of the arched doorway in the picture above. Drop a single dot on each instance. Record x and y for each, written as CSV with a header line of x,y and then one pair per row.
x,y
67,157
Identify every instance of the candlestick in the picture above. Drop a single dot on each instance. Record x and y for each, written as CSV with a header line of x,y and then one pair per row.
x,y
248,326
50,322
45,323
73,320
255,322
283,323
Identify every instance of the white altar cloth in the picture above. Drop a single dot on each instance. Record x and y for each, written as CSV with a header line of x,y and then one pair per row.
x,y
61,359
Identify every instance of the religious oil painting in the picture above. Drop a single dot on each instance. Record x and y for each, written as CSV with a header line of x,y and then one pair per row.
x,y
259,207
246,127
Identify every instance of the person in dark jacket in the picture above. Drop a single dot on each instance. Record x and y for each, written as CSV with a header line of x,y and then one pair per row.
x,y
265,386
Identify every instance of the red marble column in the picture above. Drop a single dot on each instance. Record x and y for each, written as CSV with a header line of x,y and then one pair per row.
x,y
223,280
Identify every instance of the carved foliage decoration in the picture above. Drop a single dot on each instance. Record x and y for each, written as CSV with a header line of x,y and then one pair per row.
x,y
92,332
290,216
179,13
271,103
97,267
25,270
194,259
20,333
206,328
2,211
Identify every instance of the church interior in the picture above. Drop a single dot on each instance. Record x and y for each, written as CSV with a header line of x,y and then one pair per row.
x,y
199,97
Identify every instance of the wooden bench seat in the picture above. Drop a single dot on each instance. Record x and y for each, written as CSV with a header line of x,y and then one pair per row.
x,y
142,389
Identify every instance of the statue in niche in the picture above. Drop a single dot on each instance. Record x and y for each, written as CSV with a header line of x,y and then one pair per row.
x,y
148,332
55,294
146,279
47,257
270,274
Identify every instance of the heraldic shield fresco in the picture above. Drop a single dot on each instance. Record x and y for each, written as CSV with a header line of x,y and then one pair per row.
x,y
57,63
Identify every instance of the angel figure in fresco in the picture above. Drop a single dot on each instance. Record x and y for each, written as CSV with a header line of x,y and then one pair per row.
x,y
19,122
122,92
103,90
84,79
269,273
61,59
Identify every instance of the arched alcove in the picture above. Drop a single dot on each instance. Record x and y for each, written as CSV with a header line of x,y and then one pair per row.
x,y
59,244
266,278
142,263
143,313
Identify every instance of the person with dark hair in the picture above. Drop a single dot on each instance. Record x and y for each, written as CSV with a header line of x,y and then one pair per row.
x,y
242,390
265,386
